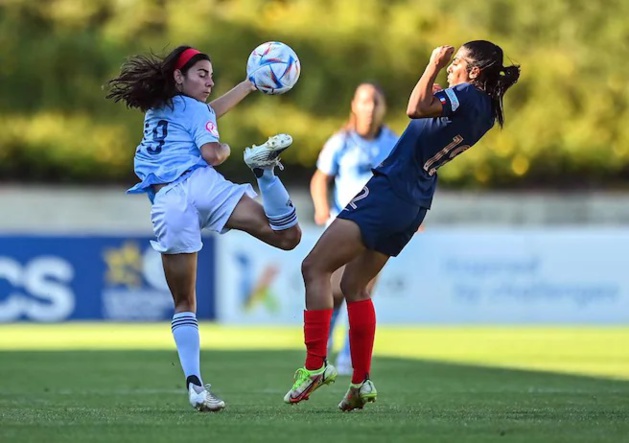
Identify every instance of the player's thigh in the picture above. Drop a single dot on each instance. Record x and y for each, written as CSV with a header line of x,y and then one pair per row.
x,y
340,243
215,198
248,216
175,222
360,272
181,274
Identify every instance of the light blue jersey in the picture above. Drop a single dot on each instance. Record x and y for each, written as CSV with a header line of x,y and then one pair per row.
x,y
349,158
172,142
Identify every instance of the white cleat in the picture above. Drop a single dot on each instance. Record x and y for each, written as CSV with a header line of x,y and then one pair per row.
x,y
358,396
202,399
267,154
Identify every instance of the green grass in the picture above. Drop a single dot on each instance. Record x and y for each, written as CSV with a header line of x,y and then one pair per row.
x,y
600,351
129,388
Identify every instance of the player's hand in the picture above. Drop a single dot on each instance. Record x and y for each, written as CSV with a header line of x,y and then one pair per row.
x,y
321,216
250,84
441,56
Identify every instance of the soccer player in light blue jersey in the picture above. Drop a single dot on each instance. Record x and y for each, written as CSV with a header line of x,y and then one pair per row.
x,y
379,221
175,164
347,159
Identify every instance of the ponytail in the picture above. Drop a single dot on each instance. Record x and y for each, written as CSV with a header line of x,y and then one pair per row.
x,y
509,75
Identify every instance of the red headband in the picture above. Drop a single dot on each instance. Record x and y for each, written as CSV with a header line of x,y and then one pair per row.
x,y
185,57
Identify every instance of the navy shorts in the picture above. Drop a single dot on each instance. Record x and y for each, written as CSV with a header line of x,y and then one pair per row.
x,y
387,223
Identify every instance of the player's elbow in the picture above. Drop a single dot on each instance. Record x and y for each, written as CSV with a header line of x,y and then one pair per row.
x,y
213,153
424,107
424,111
212,160
417,110
412,112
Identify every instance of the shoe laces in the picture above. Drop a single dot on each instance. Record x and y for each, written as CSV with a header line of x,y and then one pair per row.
x,y
301,375
273,162
209,394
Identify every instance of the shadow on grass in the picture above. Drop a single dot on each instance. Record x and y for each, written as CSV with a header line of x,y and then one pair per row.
x,y
87,395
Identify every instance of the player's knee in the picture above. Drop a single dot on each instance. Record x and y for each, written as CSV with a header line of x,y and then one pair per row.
x,y
310,268
290,238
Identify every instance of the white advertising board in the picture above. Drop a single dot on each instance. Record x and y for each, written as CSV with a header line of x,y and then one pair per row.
x,y
444,276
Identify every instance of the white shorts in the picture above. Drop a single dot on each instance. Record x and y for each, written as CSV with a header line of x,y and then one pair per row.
x,y
204,200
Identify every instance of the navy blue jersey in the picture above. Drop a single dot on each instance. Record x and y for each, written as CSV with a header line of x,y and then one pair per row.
x,y
429,143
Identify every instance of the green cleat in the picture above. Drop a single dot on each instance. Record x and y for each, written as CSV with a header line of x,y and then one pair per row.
x,y
358,396
306,382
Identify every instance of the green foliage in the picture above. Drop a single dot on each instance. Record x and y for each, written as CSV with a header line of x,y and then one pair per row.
x,y
565,118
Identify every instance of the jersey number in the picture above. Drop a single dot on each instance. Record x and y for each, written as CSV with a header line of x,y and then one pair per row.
x,y
445,155
160,131
363,194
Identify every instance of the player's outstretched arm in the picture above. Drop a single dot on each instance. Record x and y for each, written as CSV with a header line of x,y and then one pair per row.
x,y
422,103
231,98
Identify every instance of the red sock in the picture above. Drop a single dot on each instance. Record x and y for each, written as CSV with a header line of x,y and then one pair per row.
x,y
362,332
316,330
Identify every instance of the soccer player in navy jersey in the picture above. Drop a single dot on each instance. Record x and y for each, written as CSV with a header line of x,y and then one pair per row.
x,y
175,162
347,158
382,218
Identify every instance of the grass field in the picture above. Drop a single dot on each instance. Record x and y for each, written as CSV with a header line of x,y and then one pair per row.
x,y
122,383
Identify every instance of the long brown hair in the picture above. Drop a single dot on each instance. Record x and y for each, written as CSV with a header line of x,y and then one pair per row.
x,y
350,124
146,81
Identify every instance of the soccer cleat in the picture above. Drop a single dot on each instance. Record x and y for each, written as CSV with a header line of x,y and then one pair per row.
x,y
306,382
202,399
357,397
267,154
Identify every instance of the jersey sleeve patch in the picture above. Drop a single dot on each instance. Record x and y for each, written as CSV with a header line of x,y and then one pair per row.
x,y
454,100
210,127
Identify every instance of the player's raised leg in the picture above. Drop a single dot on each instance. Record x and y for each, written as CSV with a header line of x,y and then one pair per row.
x,y
275,221
262,160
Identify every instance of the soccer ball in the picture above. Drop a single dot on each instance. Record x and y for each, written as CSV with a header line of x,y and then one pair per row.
x,y
273,68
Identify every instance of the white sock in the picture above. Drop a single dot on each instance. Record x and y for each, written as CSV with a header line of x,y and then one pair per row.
x,y
277,204
186,333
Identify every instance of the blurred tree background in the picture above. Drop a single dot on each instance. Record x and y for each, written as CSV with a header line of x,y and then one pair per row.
x,y
566,120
